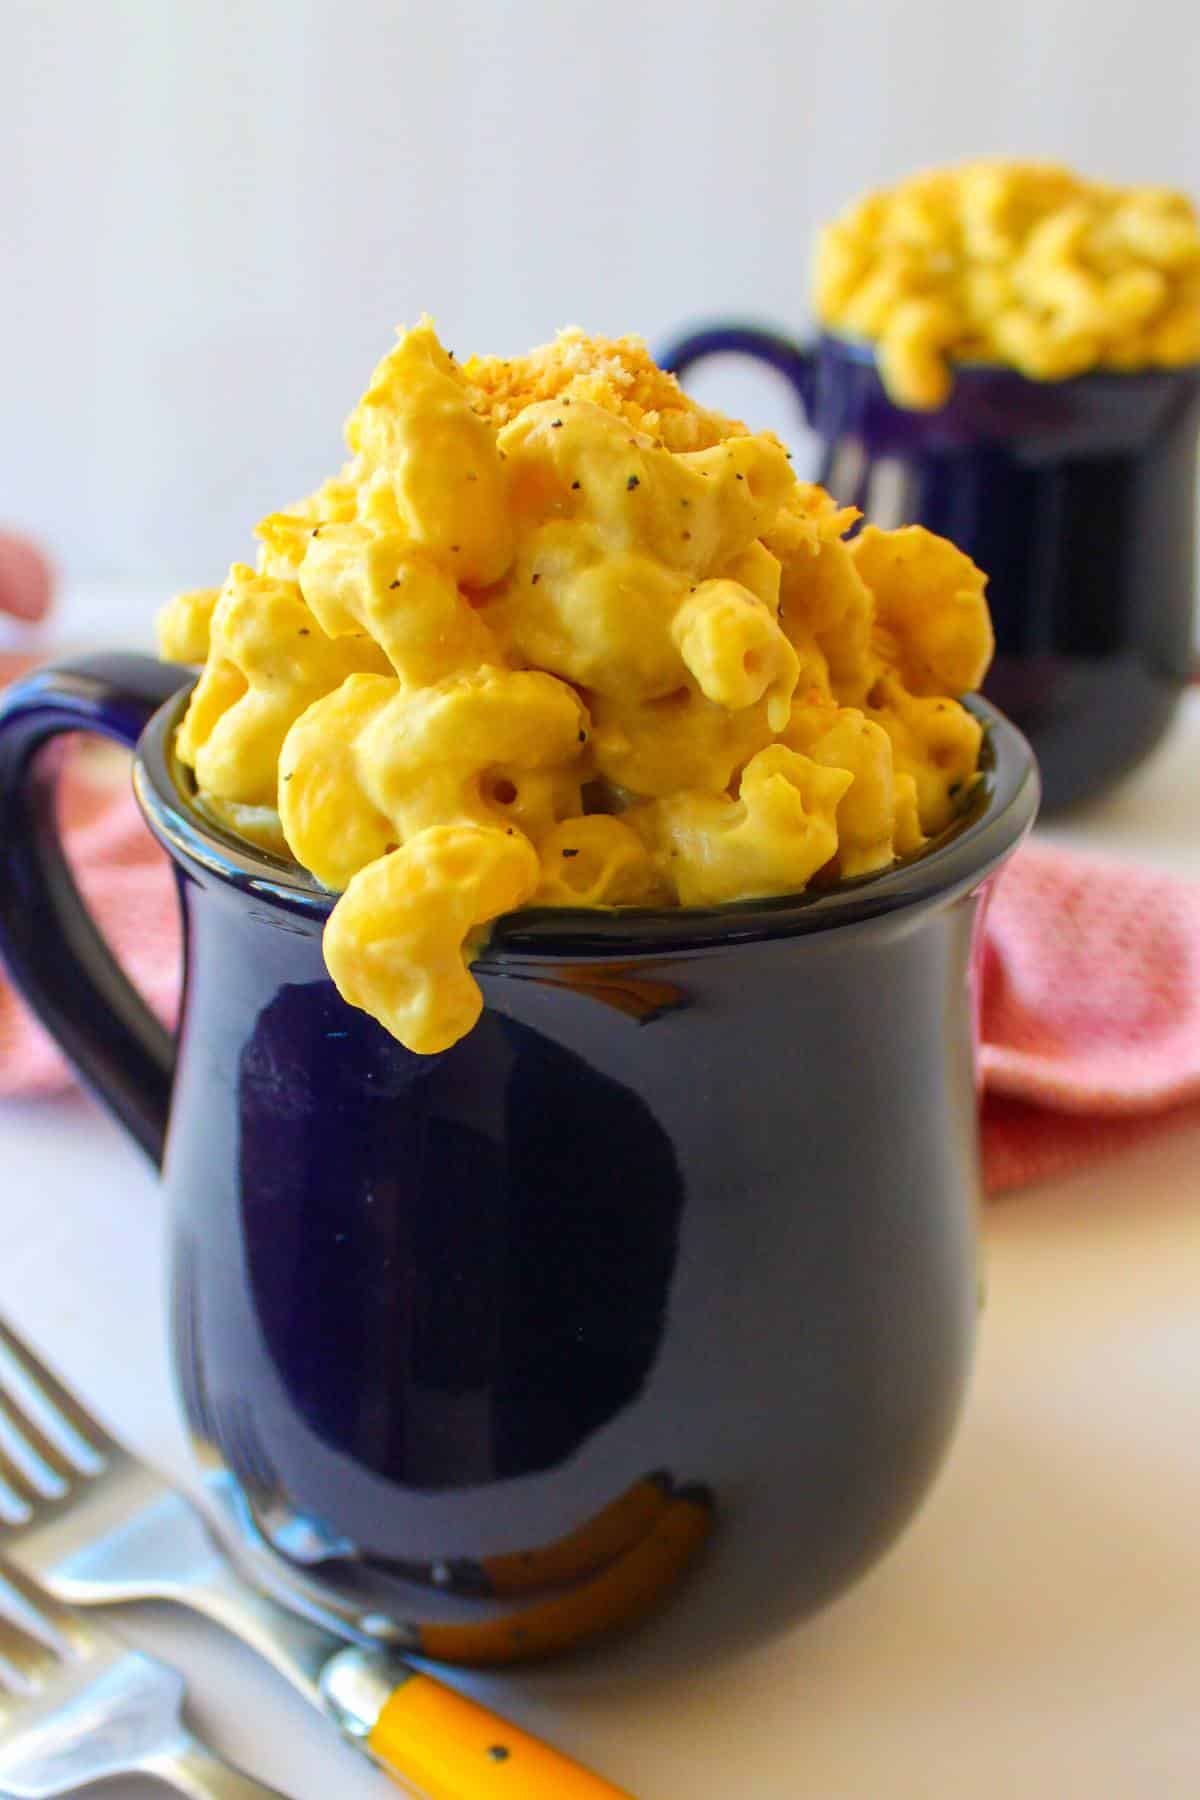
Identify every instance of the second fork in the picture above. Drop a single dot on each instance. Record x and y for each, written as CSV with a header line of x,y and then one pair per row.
x,y
85,1708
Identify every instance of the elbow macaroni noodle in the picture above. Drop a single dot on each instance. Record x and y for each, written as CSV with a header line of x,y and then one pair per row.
x,y
558,636
1007,262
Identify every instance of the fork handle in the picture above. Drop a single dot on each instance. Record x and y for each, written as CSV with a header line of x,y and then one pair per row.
x,y
54,953
189,1768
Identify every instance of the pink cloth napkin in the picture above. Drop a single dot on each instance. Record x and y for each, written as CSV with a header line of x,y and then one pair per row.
x,y
1091,990
1091,1011
124,878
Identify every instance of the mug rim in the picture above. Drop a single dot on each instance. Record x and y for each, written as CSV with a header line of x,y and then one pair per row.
x,y
863,350
1003,810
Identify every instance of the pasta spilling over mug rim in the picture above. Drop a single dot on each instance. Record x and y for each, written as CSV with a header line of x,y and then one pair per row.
x,y
1002,810
557,636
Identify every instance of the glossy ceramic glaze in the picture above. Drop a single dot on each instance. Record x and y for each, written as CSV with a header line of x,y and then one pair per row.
x,y
697,1197
1077,497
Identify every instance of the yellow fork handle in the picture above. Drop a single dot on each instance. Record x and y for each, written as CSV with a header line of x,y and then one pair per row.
x,y
449,1748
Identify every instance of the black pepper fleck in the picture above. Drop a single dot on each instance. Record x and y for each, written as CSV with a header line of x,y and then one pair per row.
x,y
632,483
533,580
583,737
394,584
575,484
499,1752
305,632
570,853
316,531
739,478
556,424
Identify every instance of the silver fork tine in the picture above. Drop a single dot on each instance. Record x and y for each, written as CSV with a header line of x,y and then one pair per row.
x,y
14,1483
117,1532
62,1620
56,1396
29,1432
13,1475
26,1654
238,1522
93,1709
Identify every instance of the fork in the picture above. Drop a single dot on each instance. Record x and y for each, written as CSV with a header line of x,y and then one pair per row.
x,y
95,1526
87,1708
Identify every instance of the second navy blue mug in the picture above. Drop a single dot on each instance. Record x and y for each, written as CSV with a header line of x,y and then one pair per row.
x,y
1077,498
681,1236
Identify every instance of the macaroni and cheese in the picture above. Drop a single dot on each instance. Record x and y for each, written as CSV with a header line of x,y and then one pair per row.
x,y
1025,264
559,636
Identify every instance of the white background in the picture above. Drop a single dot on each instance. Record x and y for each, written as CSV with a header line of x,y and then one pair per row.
x,y
213,213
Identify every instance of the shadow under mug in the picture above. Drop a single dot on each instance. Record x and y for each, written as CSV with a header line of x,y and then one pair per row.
x,y
1077,498
683,1231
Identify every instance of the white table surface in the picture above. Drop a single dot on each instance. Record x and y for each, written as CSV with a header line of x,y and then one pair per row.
x,y
1035,1633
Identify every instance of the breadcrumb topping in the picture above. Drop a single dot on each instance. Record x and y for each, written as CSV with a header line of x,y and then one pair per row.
x,y
615,373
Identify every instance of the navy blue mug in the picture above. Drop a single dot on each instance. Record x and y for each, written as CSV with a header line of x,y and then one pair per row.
x,y
1078,498
687,1222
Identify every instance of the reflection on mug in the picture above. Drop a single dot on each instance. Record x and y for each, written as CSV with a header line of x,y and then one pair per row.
x,y
624,986
485,1332
609,1573
598,1541
619,1593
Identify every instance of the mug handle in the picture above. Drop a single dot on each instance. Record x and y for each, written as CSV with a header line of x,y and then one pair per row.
x,y
53,950
793,360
